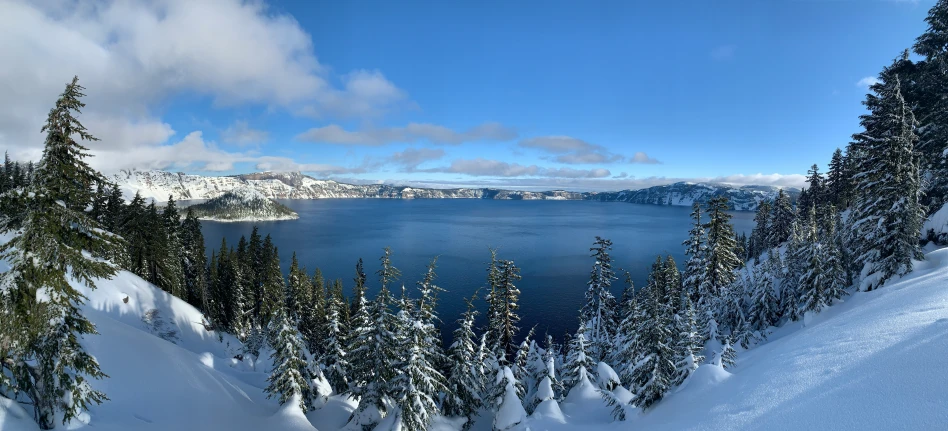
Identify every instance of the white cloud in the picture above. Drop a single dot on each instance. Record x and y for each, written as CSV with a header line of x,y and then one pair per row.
x,y
409,159
242,135
576,151
413,132
641,157
481,167
134,55
867,81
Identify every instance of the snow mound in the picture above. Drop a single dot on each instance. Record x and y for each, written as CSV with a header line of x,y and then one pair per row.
x,y
937,223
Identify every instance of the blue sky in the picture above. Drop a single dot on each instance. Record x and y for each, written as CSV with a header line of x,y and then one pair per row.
x,y
582,95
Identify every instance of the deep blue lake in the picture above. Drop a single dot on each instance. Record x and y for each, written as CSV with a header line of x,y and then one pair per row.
x,y
548,240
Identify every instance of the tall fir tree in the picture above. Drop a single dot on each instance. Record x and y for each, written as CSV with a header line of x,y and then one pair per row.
x,y
194,262
781,219
721,259
418,384
599,310
696,248
758,242
375,352
931,106
579,365
465,383
654,368
503,323
290,380
54,241
272,298
335,356
173,259
888,213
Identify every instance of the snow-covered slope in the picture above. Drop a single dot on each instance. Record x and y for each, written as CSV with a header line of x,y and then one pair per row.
x,y
936,226
873,362
159,185
243,204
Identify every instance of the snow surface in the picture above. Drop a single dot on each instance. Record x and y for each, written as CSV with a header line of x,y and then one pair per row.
x,y
873,362
937,222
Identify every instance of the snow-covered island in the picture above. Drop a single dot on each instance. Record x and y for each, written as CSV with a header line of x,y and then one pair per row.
x,y
243,205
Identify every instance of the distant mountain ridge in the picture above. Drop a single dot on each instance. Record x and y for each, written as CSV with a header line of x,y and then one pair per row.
x,y
159,185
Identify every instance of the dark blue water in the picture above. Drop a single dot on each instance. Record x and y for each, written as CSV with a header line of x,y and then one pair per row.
x,y
548,240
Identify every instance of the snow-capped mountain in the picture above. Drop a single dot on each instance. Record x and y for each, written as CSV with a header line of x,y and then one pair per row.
x,y
744,198
159,185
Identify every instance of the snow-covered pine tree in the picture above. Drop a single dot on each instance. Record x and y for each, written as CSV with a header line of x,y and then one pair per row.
x,y
764,309
504,317
833,258
506,400
671,285
375,355
114,209
696,248
335,357
271,279
257,266
358,289
795,258
298,290
99,200
688,344
548,390
52,242
758,240
654,369
534,370
781,220
931,107
721,259
888,213
599,310
520,362
837,181
134,227
194,262
728,355
173,268
465,384
625,350
418,384
313,315
579,365
290,378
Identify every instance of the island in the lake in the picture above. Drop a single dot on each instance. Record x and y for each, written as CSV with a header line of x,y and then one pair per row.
x,y
242,205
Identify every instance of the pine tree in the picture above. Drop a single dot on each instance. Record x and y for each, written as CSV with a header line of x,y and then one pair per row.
x,y
134,228
626,349
758,240
465,382
654,369
781,220
888,213
931,107
721,258
48,248
172,261
764,309
837,181
194,262
579,366
790,286
99,201
833,258
290,378
504,324
696,250
816,192
599,311
417,385
374,353
506,400
335,355
358,289
298,287
257,268
313,315
688,344
548,388
114,209
728,355
271,281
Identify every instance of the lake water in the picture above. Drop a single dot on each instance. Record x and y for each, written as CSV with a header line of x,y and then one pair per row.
x,y
548,240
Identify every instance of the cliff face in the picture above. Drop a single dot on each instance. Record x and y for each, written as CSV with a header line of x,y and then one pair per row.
x,y
159,185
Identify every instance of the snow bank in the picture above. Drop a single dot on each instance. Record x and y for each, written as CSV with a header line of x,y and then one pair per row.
x,y
938,223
